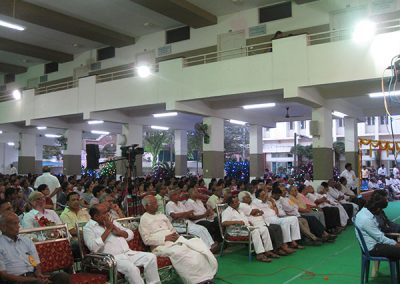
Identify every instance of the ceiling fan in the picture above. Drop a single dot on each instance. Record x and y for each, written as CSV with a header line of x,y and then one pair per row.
x,y
291,116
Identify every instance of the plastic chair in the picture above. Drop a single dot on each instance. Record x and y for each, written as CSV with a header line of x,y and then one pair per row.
x,y
366,258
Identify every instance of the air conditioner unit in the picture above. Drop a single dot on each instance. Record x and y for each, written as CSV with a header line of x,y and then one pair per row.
x,y
314,128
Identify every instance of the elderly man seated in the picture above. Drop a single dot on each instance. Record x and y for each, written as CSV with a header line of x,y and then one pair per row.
x,y
192,259
38,212
103,235
232,219
176,210
19,260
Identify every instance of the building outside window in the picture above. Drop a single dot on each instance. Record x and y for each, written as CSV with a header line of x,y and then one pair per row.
x,y
370,120
303,124
383,119
340,122
290,125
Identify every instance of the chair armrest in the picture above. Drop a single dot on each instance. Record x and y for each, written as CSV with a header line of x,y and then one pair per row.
x,y
102,262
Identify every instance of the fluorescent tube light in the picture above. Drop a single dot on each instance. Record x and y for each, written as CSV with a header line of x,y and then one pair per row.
x,y
380,94
52,135
339,114
259,106
100,132
159,127
11,26
234,121
165,114
95,122
10,143
41,127
1,131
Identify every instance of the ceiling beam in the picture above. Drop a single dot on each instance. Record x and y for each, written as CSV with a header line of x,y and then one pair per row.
x,y
182,11
57,21
34,51
12,69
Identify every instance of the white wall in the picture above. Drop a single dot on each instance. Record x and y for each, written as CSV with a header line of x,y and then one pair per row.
x,y
8,155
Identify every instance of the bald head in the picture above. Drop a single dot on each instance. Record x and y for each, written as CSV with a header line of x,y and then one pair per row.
x,y
150,204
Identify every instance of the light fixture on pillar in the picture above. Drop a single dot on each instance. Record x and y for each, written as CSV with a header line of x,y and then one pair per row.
x,y
11,144
255,106
339,114
16,94
143,71
155,127
49,135
41,127
239,122
95,122
165,114
100,132
364,31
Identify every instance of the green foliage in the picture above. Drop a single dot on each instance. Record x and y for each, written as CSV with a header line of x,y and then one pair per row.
x,y
302,152
339,149
108,170
163,171
51,151
195,143
154,142
202,129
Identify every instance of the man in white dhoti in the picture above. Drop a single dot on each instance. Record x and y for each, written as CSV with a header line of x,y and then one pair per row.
x,y
192,260
102,235
176,210
232,218
289,224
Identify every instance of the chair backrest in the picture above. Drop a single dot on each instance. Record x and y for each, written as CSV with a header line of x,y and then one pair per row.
x,y
54,253
79,233
132,223
361,242
219,209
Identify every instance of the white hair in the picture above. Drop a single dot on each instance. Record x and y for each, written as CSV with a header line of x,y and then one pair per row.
x,y
242,194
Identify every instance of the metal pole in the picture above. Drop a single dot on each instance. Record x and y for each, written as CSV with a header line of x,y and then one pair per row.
x,y
295,151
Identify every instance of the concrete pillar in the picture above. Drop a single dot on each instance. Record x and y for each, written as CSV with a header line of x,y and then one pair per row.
x,y
38,156
257,157
72,154
133,134
26,155
322,145
213,153
181,149
351,142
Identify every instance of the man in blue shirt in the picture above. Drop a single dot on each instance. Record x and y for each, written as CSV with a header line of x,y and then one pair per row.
x,y
19,260
377,243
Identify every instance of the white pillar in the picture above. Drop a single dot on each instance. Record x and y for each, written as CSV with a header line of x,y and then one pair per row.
x,y
257,157
351,141
181,150
72,153
213,152
26,155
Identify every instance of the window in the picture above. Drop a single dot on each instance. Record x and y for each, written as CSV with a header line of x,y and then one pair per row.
x,y
178,34
50,67
105,53
275,12
370,120
383,119
303,124
290,125
340,122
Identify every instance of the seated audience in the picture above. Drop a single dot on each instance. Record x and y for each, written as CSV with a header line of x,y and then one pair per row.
x,y
19,260
73,213
161,197
114,211
43,188
98,191
103,235
192,260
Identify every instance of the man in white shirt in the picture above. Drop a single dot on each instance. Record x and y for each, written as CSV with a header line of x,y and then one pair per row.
x,y
382,172
396,172
307,180
32,218
365,173
350,176
192,260
202,216
13,170
51,181
176,210
231,218
102,235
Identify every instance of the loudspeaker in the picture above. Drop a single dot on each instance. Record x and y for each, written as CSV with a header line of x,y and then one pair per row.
x,y
92,156
314,128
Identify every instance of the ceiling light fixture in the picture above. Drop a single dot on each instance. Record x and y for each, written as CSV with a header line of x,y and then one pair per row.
x,y
41,127
143,71
16,94
11,26
364,31
339,114
239,122
159,127
49,135
10,143
1,131
381,94
95,122
165,114
259,106
100,132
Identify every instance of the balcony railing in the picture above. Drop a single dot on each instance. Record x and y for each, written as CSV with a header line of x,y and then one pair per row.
x,y
121,74
56,87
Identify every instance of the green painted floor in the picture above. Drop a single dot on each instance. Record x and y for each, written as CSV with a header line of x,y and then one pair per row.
x,y
339,262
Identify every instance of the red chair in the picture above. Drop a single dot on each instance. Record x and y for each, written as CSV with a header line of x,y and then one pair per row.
x,y
56,254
